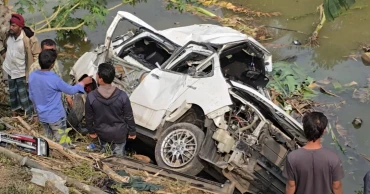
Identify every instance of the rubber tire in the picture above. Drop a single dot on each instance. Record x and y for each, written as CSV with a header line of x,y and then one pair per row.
x,y
195,166
75,115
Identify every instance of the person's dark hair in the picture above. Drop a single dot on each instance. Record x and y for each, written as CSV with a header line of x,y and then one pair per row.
x,y
107,72
314,124
47,58
48,42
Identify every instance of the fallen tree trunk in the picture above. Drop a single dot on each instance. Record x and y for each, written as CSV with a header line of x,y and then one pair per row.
x,y
25,161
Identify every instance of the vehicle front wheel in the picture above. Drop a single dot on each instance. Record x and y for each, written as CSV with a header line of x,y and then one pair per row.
x,y
178,147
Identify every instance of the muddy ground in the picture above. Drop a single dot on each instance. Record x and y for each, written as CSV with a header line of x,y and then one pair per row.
x,y
15,179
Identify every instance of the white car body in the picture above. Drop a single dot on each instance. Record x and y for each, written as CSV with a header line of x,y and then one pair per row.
x,y
160,95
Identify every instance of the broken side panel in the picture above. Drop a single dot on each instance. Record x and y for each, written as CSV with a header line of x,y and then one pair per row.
x,y
153,96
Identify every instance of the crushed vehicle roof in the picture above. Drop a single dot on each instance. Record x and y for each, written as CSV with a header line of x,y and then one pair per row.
x,y
203,33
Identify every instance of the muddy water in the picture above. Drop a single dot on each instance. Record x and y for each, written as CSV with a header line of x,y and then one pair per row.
x,y
338,39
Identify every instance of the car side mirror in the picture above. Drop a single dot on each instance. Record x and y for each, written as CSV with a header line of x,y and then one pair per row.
x,y
157,64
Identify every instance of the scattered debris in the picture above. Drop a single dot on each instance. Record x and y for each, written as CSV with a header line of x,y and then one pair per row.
x,y
29,144
343,133
326,81
322,90
353,83
242,24
289,86
365,47
296,42
136,182
363,94
41,177
353,57
335,140
337,85
286,29
67,55
143,158
314,39
357,122
237,9
365,157
365,57
69,46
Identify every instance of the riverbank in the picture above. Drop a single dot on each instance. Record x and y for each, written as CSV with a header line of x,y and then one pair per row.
x,y
339,39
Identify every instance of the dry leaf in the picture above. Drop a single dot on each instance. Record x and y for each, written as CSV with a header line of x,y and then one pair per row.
x,y
69,46
313,85
362,94
351,84
341,131
325,81
274,96
143,158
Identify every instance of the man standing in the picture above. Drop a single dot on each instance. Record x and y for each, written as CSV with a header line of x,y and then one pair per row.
x,y
367,183
313,169
45,91
49,44
22,49
108,113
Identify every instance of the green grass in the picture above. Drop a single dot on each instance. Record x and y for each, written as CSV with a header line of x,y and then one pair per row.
x,y
19,189
83,172
5,160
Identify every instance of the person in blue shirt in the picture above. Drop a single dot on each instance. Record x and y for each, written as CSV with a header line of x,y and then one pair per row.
x,y
45,91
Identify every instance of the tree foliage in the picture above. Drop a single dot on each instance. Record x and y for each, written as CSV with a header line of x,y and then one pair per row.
x,y
66,17
333,8
180,5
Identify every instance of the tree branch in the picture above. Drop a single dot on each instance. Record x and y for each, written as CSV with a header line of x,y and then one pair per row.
x,y
46,19
66,14
60,28
116,6
52,16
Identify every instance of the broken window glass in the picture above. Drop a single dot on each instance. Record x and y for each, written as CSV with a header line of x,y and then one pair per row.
x,y
146,51
193,64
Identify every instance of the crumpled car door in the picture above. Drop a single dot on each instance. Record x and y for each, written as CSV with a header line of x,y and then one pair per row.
x,y
210,90
153,96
